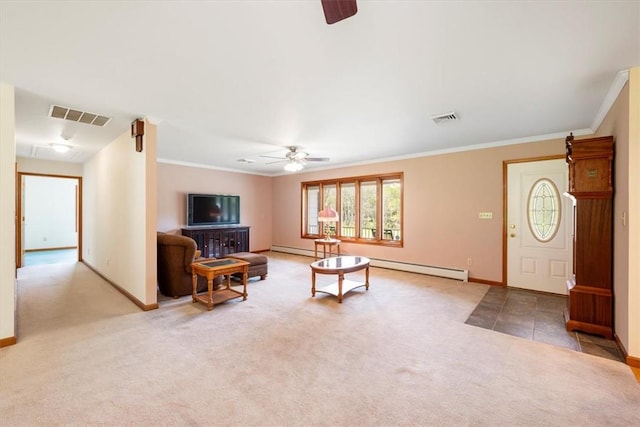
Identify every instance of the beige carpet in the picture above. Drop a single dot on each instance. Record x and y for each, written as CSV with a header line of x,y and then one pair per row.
x,y
398,354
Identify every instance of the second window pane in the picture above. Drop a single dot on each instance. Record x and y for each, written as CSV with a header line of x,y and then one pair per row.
x,y
348,210
368,210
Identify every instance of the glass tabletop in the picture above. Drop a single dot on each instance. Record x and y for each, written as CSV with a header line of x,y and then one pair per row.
x,y
218,262
340,262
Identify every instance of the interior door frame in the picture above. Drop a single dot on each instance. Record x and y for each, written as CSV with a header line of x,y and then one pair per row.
x,y
505,193
19,217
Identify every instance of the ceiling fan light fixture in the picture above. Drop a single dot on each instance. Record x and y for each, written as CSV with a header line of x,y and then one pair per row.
x,y
293,166
60,148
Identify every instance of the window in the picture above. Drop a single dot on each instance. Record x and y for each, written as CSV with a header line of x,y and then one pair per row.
x,y
348,210
312,202
544,210
368,203
391,209
370,208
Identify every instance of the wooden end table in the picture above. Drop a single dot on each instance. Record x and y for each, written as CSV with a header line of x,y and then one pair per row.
x,y
325,243
211,268
339,265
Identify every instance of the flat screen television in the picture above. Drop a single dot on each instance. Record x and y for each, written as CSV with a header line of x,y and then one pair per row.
x,y
212,209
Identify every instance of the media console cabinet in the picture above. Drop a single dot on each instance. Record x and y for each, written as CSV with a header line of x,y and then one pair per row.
x,y
219,241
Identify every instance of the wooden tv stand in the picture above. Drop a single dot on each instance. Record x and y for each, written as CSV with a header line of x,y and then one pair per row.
x,y
219,241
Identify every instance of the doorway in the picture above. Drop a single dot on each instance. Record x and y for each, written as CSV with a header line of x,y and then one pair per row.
x,y
49,219
538,225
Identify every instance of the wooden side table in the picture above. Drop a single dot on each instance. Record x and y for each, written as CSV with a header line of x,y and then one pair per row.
x,y
325,243
210,268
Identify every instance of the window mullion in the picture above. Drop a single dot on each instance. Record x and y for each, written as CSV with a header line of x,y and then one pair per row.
x,y
339,209
357,210
379,230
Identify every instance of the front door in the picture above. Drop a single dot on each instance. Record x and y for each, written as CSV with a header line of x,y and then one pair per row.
x,y
539,250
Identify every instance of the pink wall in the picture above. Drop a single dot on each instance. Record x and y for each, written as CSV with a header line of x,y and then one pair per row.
x,y
174,181
442,198
617,123
443,195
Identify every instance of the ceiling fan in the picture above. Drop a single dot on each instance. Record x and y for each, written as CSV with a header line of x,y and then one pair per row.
x,y
295,160
337,10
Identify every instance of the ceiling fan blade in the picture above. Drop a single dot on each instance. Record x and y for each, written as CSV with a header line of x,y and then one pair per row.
x,y
337,10
317,159
274,157
277,161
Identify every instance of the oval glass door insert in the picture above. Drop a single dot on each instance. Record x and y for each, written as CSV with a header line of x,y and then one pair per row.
x,y
543,210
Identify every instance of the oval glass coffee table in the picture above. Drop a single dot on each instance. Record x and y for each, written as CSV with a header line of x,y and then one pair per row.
x,y
340,265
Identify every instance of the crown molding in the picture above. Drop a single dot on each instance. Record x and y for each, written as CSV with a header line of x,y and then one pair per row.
x,y
202,166
616,87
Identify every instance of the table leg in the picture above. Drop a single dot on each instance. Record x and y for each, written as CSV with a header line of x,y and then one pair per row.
x,y
194,282
330,245
338,245
210,292
340,279
244,284
366,275
313,283
315,250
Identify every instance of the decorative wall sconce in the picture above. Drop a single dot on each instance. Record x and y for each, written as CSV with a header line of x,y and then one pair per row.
x,y
137,132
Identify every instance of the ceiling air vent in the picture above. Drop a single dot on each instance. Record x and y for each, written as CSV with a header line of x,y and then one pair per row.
x,y
446,117
65,113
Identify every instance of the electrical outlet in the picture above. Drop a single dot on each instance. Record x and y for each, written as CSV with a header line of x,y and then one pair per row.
x,y
485,215
469,261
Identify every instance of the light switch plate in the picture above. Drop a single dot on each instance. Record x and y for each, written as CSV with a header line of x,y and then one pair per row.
x,y
485,215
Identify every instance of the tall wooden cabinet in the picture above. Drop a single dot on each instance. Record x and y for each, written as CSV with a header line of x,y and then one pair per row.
x,y
219,241
590,300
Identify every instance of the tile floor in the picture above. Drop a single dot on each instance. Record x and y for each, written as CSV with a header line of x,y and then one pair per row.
x,y
537,317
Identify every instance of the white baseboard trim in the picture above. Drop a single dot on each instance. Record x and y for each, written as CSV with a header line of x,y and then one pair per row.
x,y
450,273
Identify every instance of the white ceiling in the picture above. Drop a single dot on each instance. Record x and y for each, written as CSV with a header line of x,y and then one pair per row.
x,y
230,80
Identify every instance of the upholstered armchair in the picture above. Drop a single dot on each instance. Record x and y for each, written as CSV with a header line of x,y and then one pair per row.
x,y
175,255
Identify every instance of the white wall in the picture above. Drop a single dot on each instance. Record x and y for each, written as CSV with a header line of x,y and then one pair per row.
x,y
119,215
49,212
49,167
7,213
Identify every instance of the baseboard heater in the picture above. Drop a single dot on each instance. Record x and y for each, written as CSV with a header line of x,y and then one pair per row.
x,y
449,273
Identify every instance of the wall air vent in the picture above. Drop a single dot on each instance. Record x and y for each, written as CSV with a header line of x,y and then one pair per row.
x,y
446,117
65,113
